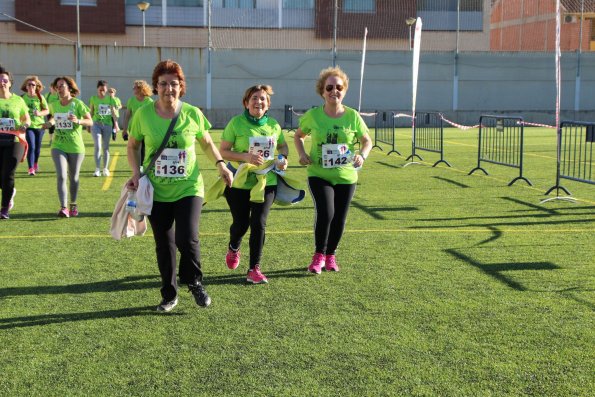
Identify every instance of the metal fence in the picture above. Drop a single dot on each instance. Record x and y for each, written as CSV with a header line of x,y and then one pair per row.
x,y
501,141
428,135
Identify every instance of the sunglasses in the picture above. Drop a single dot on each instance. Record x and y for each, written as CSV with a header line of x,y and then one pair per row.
x,y
32,85
330,87
5,81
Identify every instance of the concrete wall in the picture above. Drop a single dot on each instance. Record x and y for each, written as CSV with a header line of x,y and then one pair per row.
x,y
508,83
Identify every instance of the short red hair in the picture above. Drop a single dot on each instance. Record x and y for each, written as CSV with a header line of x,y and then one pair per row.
x,y
169,67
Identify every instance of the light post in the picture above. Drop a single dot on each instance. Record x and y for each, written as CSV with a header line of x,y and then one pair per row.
x,y
410,22
143,6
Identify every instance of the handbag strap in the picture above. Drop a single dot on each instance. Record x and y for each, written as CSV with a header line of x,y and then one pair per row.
x,y
165,139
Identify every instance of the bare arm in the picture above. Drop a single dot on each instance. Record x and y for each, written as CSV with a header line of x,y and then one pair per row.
x,y
133,153
298,140
209,148
366,147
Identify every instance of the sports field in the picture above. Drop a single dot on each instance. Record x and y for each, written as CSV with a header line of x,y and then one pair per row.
x,y
450,285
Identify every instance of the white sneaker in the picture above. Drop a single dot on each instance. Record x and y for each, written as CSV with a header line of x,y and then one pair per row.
x,y
105,172
97,172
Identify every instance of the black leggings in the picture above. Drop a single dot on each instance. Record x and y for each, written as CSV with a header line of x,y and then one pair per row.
x,y
248,214
331,203
10,155
185,213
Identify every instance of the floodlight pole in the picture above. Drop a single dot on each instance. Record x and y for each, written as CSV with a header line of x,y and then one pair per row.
x,y
78,45
143,6
455,80
209,49
410,22
336,10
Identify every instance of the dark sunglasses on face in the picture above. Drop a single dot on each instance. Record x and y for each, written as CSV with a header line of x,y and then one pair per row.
x,y
32,85
330,87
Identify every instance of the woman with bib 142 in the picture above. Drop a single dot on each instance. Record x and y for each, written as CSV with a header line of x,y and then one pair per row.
x,y
332,163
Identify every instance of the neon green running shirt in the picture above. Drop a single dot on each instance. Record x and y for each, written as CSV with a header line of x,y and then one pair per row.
x,y
327,130
33,103
238,132
148,126
68,136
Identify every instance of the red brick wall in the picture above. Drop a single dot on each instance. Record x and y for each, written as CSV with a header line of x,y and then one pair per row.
x,y
107,17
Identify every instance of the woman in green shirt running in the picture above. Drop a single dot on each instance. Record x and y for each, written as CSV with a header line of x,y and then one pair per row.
x,y
38,109
14,121
252,137
332,167
176,179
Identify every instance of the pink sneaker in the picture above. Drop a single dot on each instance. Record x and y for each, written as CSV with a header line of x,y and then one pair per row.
x,y
74,210
256,277
63,213
232,259
330,264
317,263
35,167
32,171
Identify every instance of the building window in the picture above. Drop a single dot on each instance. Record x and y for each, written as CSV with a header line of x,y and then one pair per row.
x,y
234,3
359,6
298,4
185,3
92,3
135,2
449,5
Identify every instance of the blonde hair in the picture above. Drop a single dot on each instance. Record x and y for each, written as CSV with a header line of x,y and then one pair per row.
x,y
328,72
36,80
144,87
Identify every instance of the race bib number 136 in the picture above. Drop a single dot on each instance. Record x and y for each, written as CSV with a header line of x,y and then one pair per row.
x,y
171,163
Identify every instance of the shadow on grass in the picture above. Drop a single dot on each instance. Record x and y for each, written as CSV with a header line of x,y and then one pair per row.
x,y
496,270
124,284
46,319
240,278
374,211
459,184
53,216
388,165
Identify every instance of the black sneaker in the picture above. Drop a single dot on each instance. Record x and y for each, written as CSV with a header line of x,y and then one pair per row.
x,y
166,306
200,294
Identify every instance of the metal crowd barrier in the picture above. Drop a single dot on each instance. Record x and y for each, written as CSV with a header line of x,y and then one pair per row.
x,y
501,140
575,154
428,135
385,131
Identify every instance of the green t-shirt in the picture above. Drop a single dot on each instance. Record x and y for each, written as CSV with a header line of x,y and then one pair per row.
x,y
134,104
51,98
149,127
117,106
327,130
68,136
102,112
11,111
239,131
34,103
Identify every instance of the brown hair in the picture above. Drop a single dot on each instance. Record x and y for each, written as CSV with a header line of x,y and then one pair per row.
x,y
328,72
36,80
169,67
6,72
72,87
144,87
266,88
